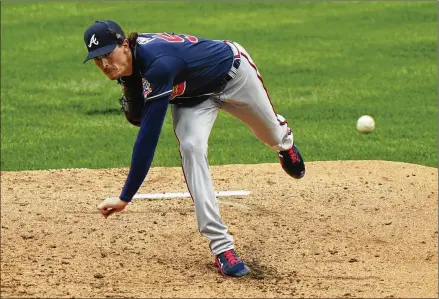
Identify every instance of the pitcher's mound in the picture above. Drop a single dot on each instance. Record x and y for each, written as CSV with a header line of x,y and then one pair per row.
x,y
348,229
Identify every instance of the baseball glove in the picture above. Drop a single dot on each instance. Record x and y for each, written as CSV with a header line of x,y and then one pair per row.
x,y
132,100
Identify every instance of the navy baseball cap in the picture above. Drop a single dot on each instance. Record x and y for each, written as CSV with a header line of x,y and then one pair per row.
x,y
101,38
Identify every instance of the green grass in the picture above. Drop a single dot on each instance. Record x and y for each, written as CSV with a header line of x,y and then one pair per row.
x,y
324,64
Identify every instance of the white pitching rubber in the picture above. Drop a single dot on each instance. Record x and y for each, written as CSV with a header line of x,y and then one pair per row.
x,y
169,195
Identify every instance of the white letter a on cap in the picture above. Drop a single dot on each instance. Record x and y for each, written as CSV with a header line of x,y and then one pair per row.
x,y
93,41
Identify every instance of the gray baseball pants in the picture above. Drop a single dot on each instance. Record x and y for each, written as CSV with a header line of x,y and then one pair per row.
x,y
245,98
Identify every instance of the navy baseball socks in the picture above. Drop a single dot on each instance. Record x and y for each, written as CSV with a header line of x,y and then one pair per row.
x,y
230,264
292,162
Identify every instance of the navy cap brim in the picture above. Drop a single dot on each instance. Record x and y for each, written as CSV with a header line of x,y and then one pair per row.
x,y
100,52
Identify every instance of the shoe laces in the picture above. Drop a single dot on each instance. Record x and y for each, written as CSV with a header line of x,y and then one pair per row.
x,y
293,156
231,257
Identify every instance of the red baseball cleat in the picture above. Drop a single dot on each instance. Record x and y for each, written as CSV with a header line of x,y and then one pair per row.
x,y
230,264
292,162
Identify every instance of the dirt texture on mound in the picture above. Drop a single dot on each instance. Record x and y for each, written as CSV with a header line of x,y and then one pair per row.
x,y
348,229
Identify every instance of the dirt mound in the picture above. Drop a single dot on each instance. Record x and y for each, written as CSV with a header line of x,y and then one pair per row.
x,y
348,229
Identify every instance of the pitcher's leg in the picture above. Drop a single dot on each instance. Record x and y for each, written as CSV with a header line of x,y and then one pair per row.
x,y
192,126
271,128
246,98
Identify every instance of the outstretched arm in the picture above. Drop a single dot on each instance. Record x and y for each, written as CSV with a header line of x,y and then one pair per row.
x,y
144,147
151,124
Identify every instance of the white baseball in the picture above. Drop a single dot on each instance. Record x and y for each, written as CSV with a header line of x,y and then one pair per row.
x,y
365,124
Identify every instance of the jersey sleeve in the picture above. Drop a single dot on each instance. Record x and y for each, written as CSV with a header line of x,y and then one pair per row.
x,y
160,76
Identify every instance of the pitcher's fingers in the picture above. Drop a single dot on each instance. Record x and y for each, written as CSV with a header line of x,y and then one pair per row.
x,y
104,212
111,211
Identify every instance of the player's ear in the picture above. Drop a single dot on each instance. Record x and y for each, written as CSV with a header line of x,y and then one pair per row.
x,y
126,45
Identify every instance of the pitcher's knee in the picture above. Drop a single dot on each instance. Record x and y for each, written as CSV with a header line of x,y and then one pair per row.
x,y
192,147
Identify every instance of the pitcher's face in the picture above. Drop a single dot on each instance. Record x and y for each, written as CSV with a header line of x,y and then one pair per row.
x,y
117,63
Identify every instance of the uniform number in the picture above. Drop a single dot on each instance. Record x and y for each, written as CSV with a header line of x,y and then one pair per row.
x,y
172,38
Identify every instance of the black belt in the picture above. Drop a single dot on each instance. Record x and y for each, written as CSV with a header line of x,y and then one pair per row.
x,y
235,65
230,75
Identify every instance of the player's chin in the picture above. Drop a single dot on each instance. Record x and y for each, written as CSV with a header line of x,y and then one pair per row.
x,y
113,75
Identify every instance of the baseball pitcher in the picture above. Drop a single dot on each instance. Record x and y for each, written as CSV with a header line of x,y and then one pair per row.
x,y
198,77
